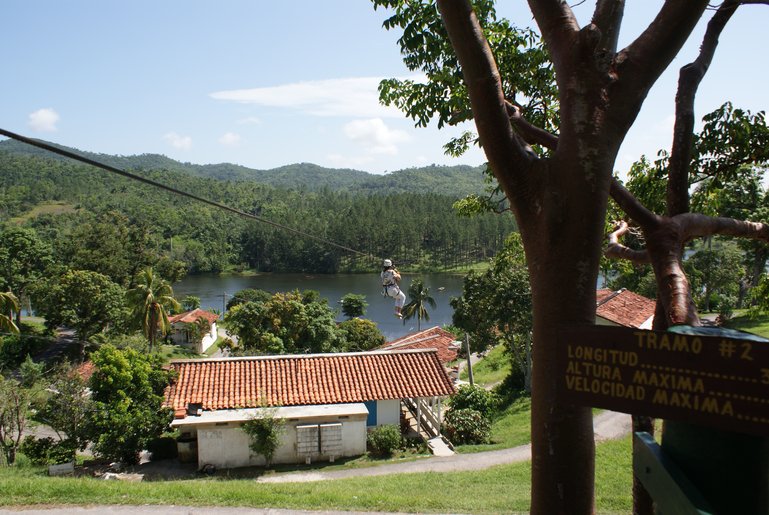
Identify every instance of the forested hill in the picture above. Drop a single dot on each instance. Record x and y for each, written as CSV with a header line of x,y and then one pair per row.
x,y
454,181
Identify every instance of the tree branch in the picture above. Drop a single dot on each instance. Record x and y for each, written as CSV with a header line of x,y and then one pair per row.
x,y
530,133
558,26
689,81
641,63
608,19
632,207
695,225
504,151
616,250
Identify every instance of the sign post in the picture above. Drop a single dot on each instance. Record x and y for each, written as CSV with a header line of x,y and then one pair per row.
x,y
712,390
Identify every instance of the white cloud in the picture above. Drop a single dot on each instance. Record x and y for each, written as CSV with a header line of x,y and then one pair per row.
x,y
340,161
375,136
177,141
357,97
251,120
230,139
43,120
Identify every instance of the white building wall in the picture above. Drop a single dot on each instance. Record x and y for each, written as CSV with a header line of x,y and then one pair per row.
x,y
208,339
226,446
388,412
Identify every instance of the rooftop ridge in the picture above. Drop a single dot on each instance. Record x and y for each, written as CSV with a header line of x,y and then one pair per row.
x,y
306,356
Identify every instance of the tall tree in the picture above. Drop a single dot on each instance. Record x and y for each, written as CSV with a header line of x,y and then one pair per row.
x,y
128,402
87,302
417,306
151,300
559,196
24,259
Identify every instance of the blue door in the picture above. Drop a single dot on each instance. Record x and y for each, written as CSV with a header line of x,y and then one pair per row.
x,y
371,407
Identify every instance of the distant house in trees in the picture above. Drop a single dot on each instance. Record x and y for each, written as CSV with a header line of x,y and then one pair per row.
x,y
623,308
195,329
326,400
436,338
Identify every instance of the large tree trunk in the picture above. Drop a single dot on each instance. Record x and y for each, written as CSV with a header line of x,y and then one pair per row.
x,y
564,271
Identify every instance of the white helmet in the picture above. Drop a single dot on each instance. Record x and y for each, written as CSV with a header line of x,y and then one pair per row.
x,y
387,262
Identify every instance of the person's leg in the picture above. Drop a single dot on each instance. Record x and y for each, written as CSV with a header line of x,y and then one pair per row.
x,y
399,301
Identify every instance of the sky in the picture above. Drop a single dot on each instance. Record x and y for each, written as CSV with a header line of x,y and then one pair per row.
x,y
266,84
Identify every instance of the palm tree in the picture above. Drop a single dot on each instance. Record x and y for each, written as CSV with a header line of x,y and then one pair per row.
x,y
419,295
9,305
151,299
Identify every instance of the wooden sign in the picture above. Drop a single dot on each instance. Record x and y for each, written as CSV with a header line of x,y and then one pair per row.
x,y
708,380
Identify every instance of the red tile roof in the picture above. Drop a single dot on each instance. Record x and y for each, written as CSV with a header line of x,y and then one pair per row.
x,y
248,382
623,307
190,317
434,338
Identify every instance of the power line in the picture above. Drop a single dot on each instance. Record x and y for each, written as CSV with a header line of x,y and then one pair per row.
x,y
129,175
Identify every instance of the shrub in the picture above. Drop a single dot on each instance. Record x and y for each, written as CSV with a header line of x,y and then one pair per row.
x,y
264,432
475,398
384,440
46,451
466,426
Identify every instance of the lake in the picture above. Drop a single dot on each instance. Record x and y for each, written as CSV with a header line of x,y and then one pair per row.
x,y
215,290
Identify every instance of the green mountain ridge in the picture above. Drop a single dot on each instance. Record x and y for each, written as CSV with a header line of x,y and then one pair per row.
x,y
455,181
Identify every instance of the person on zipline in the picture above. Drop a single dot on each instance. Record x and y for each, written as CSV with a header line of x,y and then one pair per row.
x,y
391,279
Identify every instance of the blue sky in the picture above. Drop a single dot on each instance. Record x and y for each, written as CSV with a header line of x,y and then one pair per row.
x,y
264,84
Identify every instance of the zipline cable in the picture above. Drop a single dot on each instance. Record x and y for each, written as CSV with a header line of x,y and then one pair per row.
x,y
129,175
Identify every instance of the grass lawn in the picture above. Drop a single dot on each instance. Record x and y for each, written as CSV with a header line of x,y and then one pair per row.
x,y
510,429
758,325
501,489
492,369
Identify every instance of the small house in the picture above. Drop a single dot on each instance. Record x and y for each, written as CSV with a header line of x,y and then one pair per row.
x,y
326,400
436,338
623,308
195,329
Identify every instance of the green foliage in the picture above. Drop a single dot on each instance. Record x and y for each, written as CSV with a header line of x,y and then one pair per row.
x,y
47,451
354,305
360,334
164,231
495,306
67,406
248,295
24,260
128,402
417,306
714,272
466,426
151,300
264,431
288,323
15,348
476,398
30,373
15,406
190,303
9,305
384,440
88,302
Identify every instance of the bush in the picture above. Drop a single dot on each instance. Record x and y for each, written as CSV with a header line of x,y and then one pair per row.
x,y
47,451
384,440
475,398
265,432
466,426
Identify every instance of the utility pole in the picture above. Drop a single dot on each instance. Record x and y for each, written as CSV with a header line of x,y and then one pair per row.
x,y
469,362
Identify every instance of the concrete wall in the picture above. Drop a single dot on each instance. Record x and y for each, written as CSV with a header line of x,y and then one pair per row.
x,y
388,412
226,446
